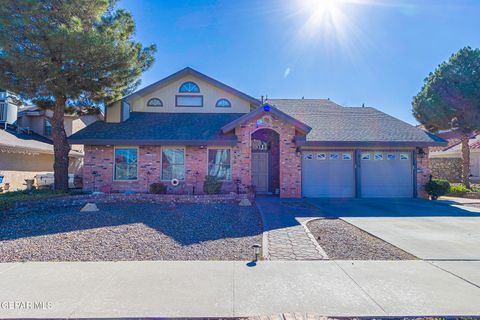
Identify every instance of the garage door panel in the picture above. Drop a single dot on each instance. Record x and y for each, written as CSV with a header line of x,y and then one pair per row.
x,y
386,174
328,174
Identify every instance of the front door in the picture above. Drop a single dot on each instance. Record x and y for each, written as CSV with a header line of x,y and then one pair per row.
x,y
260,172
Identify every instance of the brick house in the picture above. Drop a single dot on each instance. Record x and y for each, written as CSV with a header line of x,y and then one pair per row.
x,y
188,125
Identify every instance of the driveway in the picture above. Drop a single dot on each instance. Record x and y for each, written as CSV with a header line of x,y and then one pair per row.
x,y
433,230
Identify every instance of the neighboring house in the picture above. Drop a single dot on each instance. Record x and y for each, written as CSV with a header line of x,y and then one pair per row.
x,y
446,162
188,126
25,142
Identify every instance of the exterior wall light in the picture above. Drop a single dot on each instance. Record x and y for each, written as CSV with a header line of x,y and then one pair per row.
x,y
256,251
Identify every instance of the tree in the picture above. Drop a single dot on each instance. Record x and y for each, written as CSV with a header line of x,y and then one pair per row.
x,y
450,99
64,54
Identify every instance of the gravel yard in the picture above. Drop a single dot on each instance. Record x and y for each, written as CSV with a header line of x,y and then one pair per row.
x,y
343,241
126,231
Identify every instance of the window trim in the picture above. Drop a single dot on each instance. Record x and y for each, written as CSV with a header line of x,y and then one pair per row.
x,y
184,162
224,99
154,98
231,160
114,162
184,83
189,95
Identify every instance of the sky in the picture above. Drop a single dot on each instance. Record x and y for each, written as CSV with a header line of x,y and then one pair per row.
x,y
372,52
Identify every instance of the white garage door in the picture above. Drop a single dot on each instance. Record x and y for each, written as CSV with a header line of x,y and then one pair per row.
x,y
328,174
386,174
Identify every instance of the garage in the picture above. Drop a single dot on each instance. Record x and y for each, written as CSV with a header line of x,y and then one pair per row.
x,y
328,174
386,174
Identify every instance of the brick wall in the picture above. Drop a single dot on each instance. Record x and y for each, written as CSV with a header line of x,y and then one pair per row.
x,y
423,174
290,162
99,159
447,168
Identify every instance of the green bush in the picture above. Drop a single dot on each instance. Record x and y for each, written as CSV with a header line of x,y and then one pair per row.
x,y
157,188
7,199
458,190
212,185
437,188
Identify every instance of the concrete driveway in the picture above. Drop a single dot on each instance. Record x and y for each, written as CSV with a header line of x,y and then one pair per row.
x,y
431,230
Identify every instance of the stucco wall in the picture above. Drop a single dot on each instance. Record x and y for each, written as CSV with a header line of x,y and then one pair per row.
x,y
16,167
447,168
211,95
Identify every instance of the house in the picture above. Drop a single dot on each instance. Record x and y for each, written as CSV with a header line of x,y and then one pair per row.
x,y
25,142
189,125
446,161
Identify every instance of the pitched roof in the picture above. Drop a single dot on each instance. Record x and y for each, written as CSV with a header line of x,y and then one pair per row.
x,y
338,125
451,136
455,145
30,142
155,128
189,71
266,109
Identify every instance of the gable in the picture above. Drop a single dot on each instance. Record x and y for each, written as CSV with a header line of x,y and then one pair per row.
x,y
167,91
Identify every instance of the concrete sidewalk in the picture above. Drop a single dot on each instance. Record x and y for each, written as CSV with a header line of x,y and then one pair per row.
x,y
223,289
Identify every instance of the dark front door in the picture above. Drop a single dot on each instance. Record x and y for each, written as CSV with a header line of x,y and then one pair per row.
x,y
260,174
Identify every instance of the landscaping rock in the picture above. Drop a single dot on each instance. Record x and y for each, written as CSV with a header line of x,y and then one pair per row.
x,y
89,207
245,203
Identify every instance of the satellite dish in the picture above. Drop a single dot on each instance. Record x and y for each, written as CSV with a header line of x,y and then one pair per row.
x,y
175,182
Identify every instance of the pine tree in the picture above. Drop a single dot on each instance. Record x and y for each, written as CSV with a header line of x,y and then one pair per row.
x,y
69,53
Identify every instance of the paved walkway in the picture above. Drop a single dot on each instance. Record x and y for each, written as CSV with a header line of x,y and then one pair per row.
x,y
228,288
285,234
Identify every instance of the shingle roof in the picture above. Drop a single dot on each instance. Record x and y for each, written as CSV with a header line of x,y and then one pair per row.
x,y
333,123
31,142
144,128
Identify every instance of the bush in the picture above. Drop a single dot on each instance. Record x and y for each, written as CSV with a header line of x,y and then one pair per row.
x,y
212,185
458,190
437,188
157,188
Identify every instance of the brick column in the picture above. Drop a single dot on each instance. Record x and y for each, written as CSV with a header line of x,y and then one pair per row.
x,y
423,173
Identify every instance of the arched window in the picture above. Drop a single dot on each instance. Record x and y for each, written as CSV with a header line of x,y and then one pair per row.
x,y
154,102
223,103
189,87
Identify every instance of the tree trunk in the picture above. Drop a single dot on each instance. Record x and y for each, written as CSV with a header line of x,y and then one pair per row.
x,y
465,159
61,147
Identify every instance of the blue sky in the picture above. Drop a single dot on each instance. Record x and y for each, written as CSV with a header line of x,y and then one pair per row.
x,y
351,51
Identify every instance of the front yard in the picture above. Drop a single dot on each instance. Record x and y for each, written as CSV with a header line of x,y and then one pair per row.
x,y
128,231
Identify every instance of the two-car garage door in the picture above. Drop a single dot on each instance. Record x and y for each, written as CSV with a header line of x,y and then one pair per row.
x,y
380,174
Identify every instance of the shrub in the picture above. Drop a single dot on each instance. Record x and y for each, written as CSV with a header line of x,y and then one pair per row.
x,y
458,190
437,188
212,185
158,188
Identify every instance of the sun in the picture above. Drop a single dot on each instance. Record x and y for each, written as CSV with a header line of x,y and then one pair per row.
x,y
321,14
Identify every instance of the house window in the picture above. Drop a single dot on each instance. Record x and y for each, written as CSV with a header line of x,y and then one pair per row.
x,y
223,103
365,156
219,164
347,156
333,156
154,102
321,156
47,128
189,87
403,156
173,163
378,156
189,101
126,160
